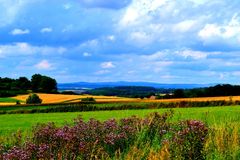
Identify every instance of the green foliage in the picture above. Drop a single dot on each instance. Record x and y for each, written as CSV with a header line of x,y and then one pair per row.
x,y
218,90
102,140
43,84
12,87
125,91
33,99
69,93
88,99
7,100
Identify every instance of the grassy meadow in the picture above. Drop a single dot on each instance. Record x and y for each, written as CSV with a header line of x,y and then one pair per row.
x,y
223,140
223,122
213,116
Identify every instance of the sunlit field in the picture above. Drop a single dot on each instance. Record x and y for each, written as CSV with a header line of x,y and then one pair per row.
x,y
59,98
213,116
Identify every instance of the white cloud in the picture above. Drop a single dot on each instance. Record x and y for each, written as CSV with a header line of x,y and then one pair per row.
x,y
140,38
18,31
179,55
107,65
101,72
46,30
139,11
10,10
91,43
86,54
25,49
228,33
193,54
68,28
16,49
111,38
67,6
43,65
184,26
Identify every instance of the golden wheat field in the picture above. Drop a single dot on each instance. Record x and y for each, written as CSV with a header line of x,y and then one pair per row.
x,y
60,98
226,98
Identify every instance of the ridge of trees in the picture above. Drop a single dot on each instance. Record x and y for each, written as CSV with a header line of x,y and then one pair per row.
x,y
38,83
214,91
141,92
128,91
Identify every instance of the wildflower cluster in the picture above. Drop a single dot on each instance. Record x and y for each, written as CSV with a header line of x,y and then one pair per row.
x,y
188,143
105,140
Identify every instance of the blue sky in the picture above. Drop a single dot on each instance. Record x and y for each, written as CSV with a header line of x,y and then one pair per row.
x,y
165,41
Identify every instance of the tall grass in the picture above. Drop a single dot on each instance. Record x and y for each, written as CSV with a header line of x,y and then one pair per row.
x,y
111,139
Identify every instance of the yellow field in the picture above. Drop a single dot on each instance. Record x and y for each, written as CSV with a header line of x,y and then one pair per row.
x,y
59,98
226,98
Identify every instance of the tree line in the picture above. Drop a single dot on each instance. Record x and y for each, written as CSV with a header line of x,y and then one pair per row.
x,y
38,83
127,91
214,91
142,92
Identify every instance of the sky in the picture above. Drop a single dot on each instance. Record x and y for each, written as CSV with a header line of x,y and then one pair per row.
x,y
164,41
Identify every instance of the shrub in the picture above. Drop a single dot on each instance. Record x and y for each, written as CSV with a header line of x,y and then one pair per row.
x,y
88,99
33,99
18,102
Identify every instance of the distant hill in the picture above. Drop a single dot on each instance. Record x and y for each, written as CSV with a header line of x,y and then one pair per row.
x,y
93,85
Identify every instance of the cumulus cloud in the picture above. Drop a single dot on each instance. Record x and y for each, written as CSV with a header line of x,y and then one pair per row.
x,y
18,31
44,65
10,10
86,54
181,23
25,49
160,39
226,33
46,30
111,38
102,72
107,65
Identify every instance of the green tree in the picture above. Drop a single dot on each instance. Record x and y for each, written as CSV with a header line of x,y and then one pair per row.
x,y
43,84
35,81
179,93
33,99
23,83
88,99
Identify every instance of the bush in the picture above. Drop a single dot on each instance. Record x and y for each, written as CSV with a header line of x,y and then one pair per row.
x,y
88,99
33,99
18,102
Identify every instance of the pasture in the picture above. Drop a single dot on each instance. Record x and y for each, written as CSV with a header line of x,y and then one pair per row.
x,y
222,141
213,116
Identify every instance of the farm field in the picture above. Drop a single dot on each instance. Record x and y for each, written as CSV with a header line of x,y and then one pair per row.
x,y
59,98
213,116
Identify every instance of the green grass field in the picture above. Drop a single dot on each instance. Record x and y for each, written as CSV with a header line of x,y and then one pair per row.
x,y
8,100
213,116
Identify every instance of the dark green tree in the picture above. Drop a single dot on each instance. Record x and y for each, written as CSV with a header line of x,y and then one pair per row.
x,y
179,93
43,84
23,83
35,82
33,99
